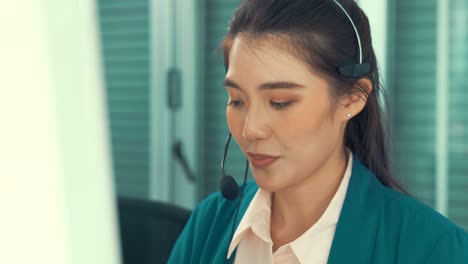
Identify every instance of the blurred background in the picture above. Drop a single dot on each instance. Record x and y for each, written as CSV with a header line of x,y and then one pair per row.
x,y
115,118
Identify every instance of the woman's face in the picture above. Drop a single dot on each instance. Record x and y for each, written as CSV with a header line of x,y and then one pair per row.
x,y
278,107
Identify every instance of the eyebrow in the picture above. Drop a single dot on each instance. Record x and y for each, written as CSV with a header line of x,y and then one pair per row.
x,y
266,86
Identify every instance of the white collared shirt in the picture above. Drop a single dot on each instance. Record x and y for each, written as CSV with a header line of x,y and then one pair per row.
x,y
253,241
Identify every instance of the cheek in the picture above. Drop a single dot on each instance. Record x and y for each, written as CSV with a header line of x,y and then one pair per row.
x,y
307,121
235,121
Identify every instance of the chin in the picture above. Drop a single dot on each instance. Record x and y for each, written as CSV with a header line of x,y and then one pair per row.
x,y
267,184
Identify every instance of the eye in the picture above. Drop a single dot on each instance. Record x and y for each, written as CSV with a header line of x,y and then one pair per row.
x,y
235,103
280,105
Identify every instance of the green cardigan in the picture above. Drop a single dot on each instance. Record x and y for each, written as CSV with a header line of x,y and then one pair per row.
x,y
376,225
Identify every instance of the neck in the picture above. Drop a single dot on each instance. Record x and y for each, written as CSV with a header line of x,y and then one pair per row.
x,y
310,199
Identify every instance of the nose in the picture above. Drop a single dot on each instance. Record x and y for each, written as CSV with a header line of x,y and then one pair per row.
x,y
255,127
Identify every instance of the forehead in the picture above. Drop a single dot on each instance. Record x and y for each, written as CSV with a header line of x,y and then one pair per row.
x,y
261,60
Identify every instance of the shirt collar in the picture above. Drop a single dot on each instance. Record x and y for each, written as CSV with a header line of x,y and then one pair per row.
x,y
257,219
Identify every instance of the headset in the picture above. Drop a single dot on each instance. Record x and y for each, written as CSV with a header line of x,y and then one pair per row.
x,y
229,187
355,70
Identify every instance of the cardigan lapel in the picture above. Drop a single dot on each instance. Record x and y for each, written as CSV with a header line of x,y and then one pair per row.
x,y
220,256
357,226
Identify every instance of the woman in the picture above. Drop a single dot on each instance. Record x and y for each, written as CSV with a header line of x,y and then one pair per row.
x,y
303,106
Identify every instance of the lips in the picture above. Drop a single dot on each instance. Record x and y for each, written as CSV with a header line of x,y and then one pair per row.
x,y
261,160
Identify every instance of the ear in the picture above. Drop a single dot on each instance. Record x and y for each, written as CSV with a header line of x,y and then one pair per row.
x,y
354,102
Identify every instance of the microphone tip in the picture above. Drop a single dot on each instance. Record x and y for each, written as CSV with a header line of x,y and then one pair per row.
x,y
229,187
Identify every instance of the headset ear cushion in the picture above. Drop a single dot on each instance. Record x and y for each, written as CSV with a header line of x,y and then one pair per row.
x,y
354,70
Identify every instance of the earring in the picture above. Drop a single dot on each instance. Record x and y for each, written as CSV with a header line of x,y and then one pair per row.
x,y
348,115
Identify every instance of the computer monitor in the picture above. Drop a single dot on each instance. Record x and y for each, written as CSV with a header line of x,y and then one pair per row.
x,y
57,197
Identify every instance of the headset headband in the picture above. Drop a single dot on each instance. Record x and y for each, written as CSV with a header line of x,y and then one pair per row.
x,y
353,70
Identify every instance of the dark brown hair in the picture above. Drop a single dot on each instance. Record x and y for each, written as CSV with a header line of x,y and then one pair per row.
x,y
319,33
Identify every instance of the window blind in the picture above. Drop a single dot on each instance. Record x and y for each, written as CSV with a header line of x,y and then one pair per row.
x,y
414,102
414,96
124,28
458,113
